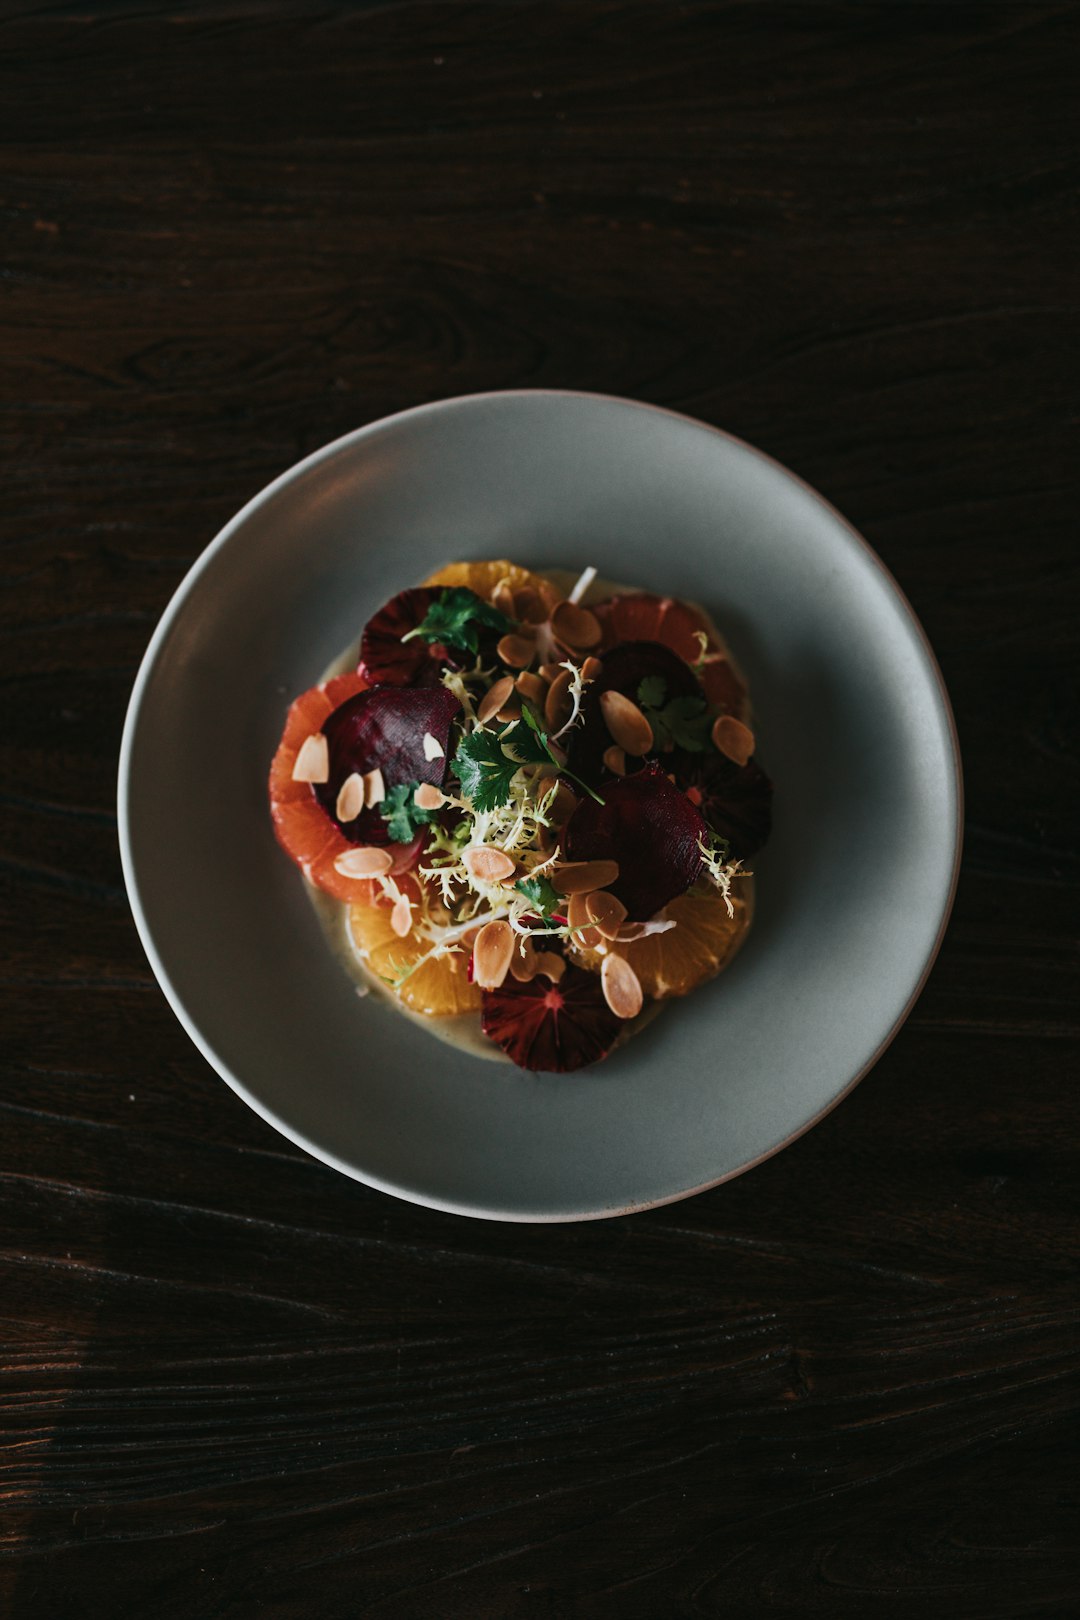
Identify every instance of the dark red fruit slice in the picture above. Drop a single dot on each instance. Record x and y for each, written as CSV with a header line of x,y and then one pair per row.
x,y
546,1026
736,800
650,828
386,659
624,669
644,617
384,728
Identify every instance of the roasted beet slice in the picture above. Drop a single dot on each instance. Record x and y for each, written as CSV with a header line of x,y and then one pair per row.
x,y
735,799
546,1026
650,828
385,658
624,669
384,729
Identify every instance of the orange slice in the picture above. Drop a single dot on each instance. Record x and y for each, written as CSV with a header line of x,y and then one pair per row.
x,y
675,624
703,941
437,989
482,577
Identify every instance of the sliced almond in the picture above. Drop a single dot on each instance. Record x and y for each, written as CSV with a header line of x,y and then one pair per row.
x,y
350,799
511,709
577,915
615,760
581,877
529,606
312,763
621,986
516,651
503,598
374,787
494,698
433,748
487,864
550,965
364,861
550,672
492,954
550,594
533,688
429,797
401,916
626,723
733,739
558,704
575,626
606,911
591,668
562,805
523,962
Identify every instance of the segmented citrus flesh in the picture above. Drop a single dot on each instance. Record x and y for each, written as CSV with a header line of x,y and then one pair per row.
x,y
703,940
482,577
644,617
436,989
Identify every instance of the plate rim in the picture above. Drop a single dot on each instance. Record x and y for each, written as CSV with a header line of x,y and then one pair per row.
x,y
171,612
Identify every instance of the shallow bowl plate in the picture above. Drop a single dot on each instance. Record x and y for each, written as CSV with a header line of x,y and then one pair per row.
x,y
853,724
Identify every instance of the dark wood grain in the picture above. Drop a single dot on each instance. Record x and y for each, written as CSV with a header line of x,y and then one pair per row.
x,y
235,1384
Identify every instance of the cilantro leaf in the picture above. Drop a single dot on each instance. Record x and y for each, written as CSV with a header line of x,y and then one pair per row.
x,y
402,815
455,618
542,892
650,692
529,743
484,770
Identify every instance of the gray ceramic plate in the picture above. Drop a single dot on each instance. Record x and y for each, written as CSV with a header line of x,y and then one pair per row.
x,y
853,724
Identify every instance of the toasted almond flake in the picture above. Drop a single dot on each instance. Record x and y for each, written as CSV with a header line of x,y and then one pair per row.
x,y
523,961
551,594
562,805
591,668
550,672
511,709
558,703
733,739
433,748
516,651
529,606
615,760
575,626
374,787
364,861
550,965
532,688
621,986
626,723
350,800
580,877
503,597
401,916
577,915
606,911
429,797
312,763
487,864
494,698
492,954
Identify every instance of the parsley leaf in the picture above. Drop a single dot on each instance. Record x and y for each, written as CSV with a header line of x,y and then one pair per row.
x,y
542,892
402,815
684,722
455,617
484,770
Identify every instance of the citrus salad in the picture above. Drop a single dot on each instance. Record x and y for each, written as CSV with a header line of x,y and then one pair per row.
x,y
535,806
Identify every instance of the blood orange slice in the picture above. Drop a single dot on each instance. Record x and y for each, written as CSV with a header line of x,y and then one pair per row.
x,y
303,828
675,624
547,1026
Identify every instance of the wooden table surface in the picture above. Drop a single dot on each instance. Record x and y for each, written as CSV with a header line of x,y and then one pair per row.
x,y
236,1384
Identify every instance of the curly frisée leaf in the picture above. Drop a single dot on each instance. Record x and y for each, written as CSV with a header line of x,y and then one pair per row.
x,y
403,816
484,770
456,617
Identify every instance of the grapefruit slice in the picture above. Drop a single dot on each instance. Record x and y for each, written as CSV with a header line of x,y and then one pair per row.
x,y
438,989
304,830
675,624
